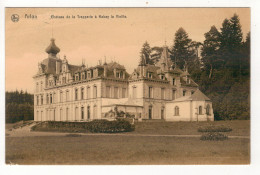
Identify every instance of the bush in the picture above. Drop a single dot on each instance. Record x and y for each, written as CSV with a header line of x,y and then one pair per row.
x,y
214,136
105,126
213,128
95,126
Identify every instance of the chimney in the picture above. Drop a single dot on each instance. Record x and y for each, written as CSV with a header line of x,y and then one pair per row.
x,y
105,69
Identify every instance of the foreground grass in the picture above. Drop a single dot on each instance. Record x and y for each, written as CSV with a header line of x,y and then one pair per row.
x,y
124,150
239,127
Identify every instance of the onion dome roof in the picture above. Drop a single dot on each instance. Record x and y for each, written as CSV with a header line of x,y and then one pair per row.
x,y
52,48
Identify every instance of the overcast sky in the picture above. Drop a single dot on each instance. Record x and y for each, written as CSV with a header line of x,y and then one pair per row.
x,y
119,39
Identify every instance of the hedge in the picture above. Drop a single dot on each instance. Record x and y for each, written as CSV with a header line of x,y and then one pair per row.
x,y
214,136
213,128
95,126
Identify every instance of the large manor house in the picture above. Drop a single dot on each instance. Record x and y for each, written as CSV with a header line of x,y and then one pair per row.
x,y
65,92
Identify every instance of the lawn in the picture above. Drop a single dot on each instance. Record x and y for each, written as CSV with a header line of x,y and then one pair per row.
x,y
239,127
133,150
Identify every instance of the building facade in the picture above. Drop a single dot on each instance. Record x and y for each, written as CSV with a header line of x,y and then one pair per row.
x,y
65,92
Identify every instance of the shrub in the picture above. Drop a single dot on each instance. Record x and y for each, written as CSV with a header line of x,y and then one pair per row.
x,y
214,136
213,128
105,126
96,126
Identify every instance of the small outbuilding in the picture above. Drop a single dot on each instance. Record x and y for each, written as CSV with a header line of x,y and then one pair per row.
x,y
196,107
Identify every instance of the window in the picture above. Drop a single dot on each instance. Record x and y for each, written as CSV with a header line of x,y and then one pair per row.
x,y
188,80
61,96
208,110
117,74
60,114
150,75
67,95
176,111
51,98
173,81
123,92
115,92
162,93
95,92
76,113
95,111
54,98
192,92
67,114
83,76
108,91
37,115
82,113
134,92
88,92
42,99
184,92
150,92
76,94
82,93
63,80
162,113
173,94
162,77
88,112
47,99
200,110
150,112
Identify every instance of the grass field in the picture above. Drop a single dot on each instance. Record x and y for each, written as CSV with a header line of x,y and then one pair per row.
x,y
135,150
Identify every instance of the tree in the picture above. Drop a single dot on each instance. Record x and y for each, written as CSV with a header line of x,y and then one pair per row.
x,y
183,50
156,54
146,52
210,50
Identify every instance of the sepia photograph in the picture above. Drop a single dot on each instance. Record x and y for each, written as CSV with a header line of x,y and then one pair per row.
x,y
127,86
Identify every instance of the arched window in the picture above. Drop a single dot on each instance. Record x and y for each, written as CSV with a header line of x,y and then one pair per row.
x,y
176,111
200,110
208,110
95,91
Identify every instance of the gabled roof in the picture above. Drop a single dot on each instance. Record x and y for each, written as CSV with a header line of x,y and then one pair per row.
x,y
197,96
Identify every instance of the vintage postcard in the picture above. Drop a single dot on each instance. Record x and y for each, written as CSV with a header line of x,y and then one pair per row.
x,y
127,86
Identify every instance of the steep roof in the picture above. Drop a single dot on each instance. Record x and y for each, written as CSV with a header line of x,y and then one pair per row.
x,y
197,96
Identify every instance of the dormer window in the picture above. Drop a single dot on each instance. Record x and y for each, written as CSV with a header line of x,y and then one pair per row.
x,y
162,77
188,80
184,92
117,75
150,75
173,81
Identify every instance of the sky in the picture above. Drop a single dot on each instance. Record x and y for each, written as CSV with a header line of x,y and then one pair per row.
x,y
93,39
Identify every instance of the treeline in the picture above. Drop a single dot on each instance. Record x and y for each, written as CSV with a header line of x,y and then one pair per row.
x,y
19,106
220,65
